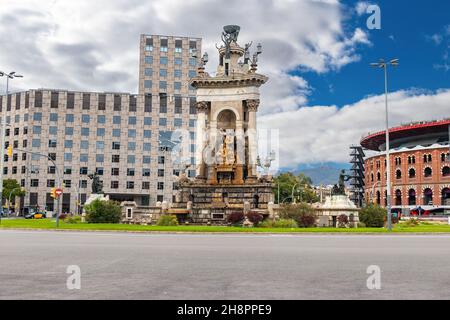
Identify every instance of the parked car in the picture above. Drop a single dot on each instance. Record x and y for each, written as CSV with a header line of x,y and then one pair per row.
x,y
34,213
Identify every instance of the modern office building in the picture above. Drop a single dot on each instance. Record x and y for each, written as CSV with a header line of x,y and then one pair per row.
x,y
124,138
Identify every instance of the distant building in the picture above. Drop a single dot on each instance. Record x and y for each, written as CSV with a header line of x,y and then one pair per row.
x,y
420,166
123,137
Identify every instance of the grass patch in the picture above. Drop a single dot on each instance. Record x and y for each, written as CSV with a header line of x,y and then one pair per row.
x,y
50,225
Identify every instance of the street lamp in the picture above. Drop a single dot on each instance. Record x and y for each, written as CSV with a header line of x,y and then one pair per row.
x,y
8,76
383,65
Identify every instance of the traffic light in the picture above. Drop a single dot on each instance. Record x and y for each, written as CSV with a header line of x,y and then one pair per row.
x,y
10,151
53,193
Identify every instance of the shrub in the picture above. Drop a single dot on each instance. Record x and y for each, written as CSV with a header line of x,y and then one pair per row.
x,y
361,225
302,213
342,221
282,223
254,217
412,223
235,217
372,216
73,219
62,216
99,211
167,221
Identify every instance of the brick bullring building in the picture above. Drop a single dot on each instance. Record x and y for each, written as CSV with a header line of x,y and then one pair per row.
x,y
420,167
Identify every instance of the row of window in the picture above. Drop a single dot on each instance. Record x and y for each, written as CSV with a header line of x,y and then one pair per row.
x,y
164,45
177,85
427,173
148,72
427,158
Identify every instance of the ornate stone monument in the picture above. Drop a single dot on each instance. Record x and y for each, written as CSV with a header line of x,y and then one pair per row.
x,y
226,137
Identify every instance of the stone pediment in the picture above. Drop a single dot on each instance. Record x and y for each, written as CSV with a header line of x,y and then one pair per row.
x,y
239,80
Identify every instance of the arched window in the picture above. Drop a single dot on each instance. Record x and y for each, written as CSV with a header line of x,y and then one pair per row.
x,y
412,201
412,173
378,176
385,198
446,171
398,197
371,177
428,172
398,174
378,197
428,197
446,197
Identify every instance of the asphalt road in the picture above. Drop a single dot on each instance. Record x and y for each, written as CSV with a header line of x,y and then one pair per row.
x,y
33,265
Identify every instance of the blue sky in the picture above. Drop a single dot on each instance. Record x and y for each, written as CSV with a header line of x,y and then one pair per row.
x,y
406,31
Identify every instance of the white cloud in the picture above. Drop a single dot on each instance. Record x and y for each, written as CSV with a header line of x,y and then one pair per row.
x,y
93,45
361,7
324,133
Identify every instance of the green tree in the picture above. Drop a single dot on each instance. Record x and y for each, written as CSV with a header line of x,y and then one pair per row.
x,y
300,185
11,185
99,211
372,216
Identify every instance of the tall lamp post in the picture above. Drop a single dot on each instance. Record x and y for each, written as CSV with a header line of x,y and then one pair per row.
x,y
384,65
8,76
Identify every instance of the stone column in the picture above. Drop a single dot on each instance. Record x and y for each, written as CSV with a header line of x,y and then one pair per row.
x,y
239,153
202,108
212,152
252,106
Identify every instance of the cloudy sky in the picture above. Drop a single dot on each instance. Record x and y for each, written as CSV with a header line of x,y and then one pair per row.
x,y
322,95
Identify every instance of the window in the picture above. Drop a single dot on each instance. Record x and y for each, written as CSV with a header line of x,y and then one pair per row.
x,y
162,103
163,73
147,147
131,133
100,132
192,62
163,60
67,170
115,171
162,122
192,46
146,172
99,158
52,156
130,184
36,143
52,143
84,157
54,117
85,118
17,118
115,158
50,183
178,61
161,160
68,131
38,99
114,184
163,45
147,121
148,103
131,159
192,73
100,145
191,123
116,133
160,185
412,173
178,73
131,145
102,102
83,184
147,133
130,172
36,130
54,99
145,185
132,120
116,119
51,130
177,122
116,145
68,144
86,101
69,118
146,159
34,183
148,60
133,103
178,104
160,172
398,174
177,85
70,101
147,84
148,72
117,102
163,85
67,157
37,116
99,171
428,172
84,144
83,171
51,170
101,119
85,132
148,44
